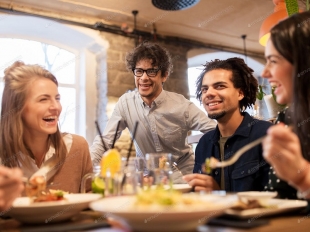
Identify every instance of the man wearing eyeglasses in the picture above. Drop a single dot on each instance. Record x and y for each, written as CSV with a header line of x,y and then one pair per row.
x,y
165,118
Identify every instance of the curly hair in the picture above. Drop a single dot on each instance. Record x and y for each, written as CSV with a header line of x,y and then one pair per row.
x,y
159,56
242,77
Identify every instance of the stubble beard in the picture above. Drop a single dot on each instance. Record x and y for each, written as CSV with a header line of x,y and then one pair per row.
x,y
217,116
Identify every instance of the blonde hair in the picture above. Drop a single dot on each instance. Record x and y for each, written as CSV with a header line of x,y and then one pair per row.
x,y
17,81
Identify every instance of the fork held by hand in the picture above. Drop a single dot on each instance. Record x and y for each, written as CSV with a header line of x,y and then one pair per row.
x,y
212,163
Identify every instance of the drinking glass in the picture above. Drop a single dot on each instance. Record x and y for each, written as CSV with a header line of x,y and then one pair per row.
x,y
159,168
107,185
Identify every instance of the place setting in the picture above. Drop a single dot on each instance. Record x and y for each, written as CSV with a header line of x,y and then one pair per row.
x,y
140,195
137,205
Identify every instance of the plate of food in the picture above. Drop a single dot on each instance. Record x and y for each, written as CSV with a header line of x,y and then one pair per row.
x,y
163,210
253,209
50,209
261,197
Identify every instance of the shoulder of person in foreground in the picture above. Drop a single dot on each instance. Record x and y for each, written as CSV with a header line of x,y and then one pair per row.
x,y
177,98
128,96
199,120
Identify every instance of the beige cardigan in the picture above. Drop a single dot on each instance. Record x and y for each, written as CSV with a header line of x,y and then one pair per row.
x,y
76,165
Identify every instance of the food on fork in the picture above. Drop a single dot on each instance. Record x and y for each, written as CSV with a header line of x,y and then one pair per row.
x,y
36,190
210,164
35,186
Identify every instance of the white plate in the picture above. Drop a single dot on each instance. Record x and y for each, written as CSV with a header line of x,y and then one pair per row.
x,y
49,212
261,197
160,218
276,206
183,188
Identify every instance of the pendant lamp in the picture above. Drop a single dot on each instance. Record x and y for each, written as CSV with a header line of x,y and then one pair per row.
x,y
279,14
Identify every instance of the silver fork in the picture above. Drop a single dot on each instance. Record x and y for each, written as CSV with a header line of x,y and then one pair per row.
x,y
176,167
213,163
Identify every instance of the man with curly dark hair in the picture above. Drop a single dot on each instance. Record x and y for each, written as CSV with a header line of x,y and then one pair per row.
x,y
226,88
165,118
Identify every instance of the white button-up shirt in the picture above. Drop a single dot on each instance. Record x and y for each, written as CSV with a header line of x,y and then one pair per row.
x,y
163,127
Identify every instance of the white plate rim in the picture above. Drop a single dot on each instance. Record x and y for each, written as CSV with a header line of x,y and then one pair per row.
x,y
123,211
68,202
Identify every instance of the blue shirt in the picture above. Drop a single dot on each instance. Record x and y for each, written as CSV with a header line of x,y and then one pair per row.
x,y
250,172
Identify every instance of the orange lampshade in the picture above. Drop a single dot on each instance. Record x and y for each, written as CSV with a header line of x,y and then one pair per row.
x,y
279,14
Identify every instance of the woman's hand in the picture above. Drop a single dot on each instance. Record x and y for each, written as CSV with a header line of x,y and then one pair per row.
x,y
282,150
201,182
11,186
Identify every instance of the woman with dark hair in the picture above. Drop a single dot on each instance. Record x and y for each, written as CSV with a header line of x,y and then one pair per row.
x,y
287,149
30,136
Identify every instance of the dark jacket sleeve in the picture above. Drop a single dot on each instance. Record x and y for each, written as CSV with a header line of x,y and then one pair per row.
x,y
200,153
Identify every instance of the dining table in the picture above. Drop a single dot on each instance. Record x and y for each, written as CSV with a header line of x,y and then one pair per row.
x,y
86,221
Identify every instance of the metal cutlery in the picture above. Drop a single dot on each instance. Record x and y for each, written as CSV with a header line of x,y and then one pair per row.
x,y
212,163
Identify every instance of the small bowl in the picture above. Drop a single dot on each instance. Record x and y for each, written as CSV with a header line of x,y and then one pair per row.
x,y
261,197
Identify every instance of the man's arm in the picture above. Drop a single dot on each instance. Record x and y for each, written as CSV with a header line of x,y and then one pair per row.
x,y
97,149
199,121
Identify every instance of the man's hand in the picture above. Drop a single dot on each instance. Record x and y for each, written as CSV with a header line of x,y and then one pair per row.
x,y
201,182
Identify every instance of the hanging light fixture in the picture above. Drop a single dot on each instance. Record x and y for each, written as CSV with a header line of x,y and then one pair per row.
x,y
172,5
244,48
279,14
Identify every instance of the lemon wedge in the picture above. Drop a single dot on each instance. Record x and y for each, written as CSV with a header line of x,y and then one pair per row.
x,y
98,185
110,162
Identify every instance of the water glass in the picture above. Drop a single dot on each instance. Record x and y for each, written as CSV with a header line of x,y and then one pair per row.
x,y
107,185
129,178
159,166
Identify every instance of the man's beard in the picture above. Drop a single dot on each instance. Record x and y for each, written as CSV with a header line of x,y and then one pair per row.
x,y
217,116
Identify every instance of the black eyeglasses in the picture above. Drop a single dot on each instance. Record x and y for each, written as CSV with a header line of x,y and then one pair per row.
x,y
138,72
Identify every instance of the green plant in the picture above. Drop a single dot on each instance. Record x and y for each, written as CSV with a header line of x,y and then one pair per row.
x,y
260,94
291,7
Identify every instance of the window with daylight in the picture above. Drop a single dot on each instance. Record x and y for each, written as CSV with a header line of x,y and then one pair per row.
x,y
59,61
193,74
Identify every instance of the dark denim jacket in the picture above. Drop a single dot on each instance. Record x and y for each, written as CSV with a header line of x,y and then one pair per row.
x,y
250,172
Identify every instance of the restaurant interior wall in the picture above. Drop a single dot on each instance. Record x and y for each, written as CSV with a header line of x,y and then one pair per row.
x,y
102,67
101,58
